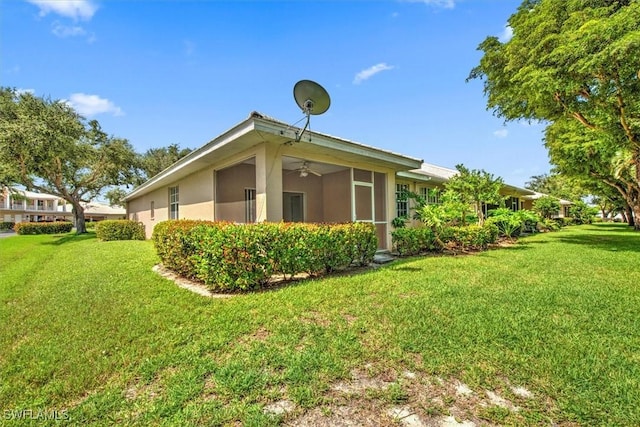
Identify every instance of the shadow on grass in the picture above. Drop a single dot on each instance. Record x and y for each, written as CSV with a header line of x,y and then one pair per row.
x,y
70,238
628,243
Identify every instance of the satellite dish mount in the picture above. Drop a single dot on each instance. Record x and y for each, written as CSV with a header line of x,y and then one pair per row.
x,y
313,99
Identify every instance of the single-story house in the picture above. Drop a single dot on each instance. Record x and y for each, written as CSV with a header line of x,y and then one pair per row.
x,y
256,172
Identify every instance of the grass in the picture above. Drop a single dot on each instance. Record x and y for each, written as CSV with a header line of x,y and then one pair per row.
x,y
90,330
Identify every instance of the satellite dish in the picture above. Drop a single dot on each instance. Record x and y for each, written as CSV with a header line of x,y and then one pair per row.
x,y
312,99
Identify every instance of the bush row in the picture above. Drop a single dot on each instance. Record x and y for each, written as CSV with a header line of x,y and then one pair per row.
x,y
43,227
238,257
119,229
413,241
6,225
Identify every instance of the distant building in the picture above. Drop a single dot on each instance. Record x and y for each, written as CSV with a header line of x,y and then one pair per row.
x,y
27,206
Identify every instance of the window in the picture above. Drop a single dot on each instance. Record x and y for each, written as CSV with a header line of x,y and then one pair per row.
x,y
153,210
174,202
513,203
249,205
402,203
431,196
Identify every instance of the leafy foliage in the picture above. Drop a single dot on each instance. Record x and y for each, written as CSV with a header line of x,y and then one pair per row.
x,y
155,160
412,241
473,188
48,147
119,229
574,66
546,206
7,225
43,227
240,257
581,213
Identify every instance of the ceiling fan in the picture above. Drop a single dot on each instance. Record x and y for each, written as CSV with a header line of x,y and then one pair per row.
x,y
304,170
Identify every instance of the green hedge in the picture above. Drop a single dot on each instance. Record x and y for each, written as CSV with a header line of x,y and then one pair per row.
x,y
119,229
6,225
471,237
43,227
413,241
238,257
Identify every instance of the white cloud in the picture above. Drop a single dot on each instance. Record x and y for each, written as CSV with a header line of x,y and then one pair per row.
x,y
506,34
63,31
20,91
501,133
76,9
90,105
446,4
371,71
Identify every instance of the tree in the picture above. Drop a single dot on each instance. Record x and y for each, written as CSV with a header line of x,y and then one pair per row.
x,y
46,146
474,188
574,65
115,196
155,160
557,185
546,206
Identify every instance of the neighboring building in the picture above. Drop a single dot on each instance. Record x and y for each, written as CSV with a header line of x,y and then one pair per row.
x,y
564,204
256,172
27,206
94,211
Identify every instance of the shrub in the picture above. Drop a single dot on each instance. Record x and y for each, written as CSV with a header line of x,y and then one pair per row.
x,y
238,257
471,237
509,224
546,206
43,227
547,224
6,225
119,229
412,241
512,223
581,213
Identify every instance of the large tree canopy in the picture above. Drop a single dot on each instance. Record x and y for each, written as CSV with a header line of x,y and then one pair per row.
x,y
574,64
155,160
46,146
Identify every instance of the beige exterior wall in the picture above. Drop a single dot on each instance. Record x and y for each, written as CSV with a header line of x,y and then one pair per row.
x,y
311,187
230,185
140,209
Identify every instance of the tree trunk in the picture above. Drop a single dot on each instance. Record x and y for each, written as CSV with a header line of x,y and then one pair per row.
x,y
634,217
78,217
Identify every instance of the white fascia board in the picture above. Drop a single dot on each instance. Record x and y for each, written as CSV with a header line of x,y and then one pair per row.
x,y
400,161
414,176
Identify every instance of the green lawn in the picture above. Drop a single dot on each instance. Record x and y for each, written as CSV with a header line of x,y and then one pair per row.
x,y
89,331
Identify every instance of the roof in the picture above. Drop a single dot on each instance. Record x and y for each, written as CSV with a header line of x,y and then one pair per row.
x,y
30,195
94,208
440,174
258,128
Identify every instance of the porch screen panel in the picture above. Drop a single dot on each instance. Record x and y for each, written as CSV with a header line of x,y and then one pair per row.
x,y
363,203
380,193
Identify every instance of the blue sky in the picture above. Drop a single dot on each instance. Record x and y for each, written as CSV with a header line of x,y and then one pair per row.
x,y
180,71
